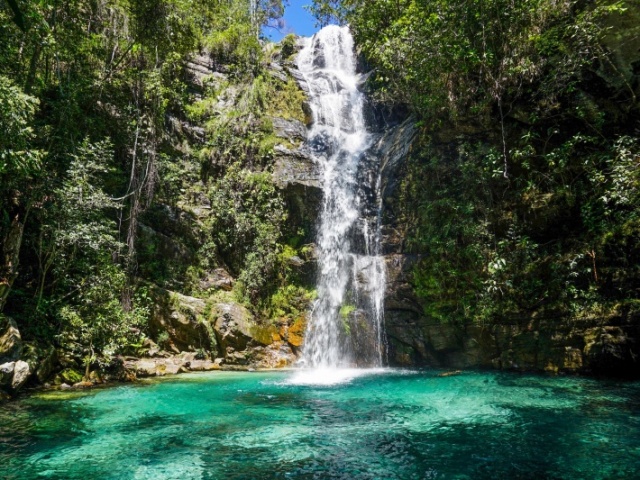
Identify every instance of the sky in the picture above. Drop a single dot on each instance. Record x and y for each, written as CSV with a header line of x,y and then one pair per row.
x,y
297,20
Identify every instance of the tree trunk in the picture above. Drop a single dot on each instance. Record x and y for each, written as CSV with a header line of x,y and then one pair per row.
x,y
10,256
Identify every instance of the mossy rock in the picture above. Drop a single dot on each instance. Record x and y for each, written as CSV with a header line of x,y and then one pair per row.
x,y
10,340
264,334
295,333
70,376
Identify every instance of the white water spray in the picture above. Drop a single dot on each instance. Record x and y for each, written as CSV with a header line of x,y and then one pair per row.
x,y
351,270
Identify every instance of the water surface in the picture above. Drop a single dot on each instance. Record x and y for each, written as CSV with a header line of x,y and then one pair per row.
x,y
386,425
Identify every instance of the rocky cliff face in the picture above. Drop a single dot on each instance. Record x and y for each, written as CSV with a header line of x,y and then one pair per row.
x,y
596,345
210,328
607,344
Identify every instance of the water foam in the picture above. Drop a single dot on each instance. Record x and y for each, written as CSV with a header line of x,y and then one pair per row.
x,y
331,376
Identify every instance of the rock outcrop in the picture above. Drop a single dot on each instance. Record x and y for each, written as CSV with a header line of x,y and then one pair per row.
x,y
219,330
298,177
158,367
558,344
10,340
180,318
14,372
605,346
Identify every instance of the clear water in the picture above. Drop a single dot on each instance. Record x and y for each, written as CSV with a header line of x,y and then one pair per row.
x,y
386,425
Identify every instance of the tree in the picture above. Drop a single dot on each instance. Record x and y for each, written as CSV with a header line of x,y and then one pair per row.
x,y
19,164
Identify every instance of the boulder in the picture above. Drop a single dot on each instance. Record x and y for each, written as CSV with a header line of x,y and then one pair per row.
x,y
218,279
81,385
277,71
236,358
299,78
6,373
294,333
21,374
150,348
235,327
276,355
295,167
41,360
300,181
203,365
10,340
182,318
203,71
144,367
289,129
158,367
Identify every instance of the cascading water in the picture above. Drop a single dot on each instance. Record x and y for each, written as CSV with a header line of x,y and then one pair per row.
x,y
351,281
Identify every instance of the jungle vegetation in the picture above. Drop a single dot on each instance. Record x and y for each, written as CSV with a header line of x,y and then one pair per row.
x,y
104,131
522,193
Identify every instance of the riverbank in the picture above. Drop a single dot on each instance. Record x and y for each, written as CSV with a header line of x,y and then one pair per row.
x,y
138,371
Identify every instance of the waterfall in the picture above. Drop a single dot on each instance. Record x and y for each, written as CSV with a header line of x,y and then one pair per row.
x,y
346,322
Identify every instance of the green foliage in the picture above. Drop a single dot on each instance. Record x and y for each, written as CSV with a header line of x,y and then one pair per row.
x,y
450,59
288,296
520,196
288,302
235,46
89,92
346,310
246,227
163,339
549,241
18,158
95,317
288,45
246,224
283,99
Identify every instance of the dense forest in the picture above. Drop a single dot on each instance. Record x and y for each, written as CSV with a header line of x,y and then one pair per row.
x,y
126,174
103,133
536,205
